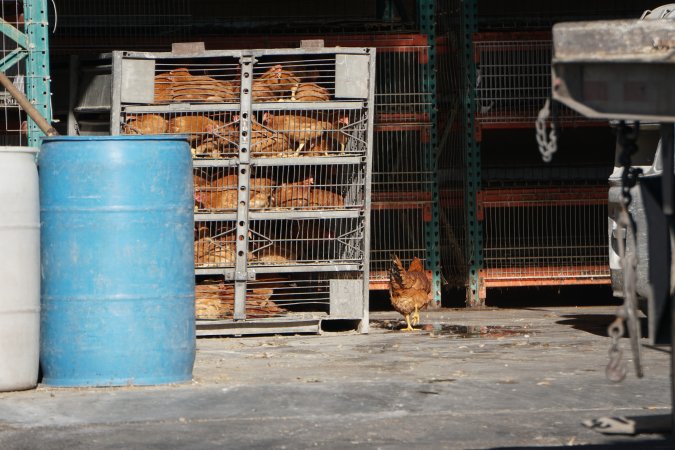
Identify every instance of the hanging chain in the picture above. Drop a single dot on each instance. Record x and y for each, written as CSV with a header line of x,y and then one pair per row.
x,y
548,144
616,368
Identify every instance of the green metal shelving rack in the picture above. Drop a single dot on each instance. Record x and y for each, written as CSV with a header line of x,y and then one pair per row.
x,y
33,47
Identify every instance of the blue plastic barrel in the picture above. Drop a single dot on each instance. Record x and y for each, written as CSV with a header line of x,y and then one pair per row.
x,y
117,260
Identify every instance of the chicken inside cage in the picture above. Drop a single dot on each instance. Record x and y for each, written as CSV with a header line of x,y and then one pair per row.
x,y
269,296
314,187
215,244
215,299
306,241
277,242
308,79
305,125
218,191
273,134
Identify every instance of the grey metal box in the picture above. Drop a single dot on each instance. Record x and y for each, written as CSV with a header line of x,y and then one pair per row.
x,y
346,298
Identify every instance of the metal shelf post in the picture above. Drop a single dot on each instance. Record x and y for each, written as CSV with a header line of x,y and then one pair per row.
x,y
474,236
37,64
427,23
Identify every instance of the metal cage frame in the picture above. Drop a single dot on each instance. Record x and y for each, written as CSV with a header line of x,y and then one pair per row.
x,y
243,254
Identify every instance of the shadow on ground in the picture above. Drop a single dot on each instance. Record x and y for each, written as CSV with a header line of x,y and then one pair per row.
x,y
652,444
597,323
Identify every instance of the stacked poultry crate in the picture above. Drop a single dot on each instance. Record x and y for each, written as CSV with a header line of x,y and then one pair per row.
x,y
543,224
281,141
401,210
402,181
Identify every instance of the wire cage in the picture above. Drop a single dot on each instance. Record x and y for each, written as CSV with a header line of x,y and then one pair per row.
x,y
552,235
293,302
13,126
402,179
544,223
83,26
402,128
496,15
403,100
509,219
513,80
281,142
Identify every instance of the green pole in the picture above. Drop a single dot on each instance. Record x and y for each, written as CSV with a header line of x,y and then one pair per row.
x,y
474,230
427,23
38,80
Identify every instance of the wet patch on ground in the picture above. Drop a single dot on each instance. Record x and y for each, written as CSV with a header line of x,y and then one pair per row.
x,y
459,331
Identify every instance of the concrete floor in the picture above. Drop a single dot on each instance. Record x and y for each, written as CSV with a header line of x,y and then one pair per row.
x,y
502,378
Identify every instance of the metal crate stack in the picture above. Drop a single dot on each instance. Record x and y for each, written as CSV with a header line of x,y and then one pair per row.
x,y
282,143
543,224
524,222
402,176
402,220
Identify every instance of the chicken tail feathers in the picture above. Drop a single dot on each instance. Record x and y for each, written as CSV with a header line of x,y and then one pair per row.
x,y
397,270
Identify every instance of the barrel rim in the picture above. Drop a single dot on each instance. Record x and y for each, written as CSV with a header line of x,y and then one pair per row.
x,y
126,137
18,149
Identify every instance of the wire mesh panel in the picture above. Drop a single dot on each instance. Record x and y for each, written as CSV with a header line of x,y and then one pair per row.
x,y
554,235
281,143
402,179
13,127
401,94
278,189
83,25
298,301
403,227
513,79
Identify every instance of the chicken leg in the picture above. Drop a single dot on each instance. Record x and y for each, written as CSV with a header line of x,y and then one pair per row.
x,y
416,317
409,327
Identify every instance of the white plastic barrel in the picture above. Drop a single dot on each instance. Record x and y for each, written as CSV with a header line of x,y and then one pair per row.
x,y
19,269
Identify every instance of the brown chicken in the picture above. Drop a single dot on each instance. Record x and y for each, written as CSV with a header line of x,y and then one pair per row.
x,y
279,80
222,194
409,289
294,195
201,189
275,254
145,124
310,92
301,130
179,85
322,147
322,198
216,301
269,143
196,126
264,142
210,251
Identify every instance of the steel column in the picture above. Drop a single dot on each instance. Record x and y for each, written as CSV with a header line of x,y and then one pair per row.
x,y
474,231
426,15
38,80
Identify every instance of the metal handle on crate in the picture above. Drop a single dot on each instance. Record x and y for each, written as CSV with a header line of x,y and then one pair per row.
x,y
23,101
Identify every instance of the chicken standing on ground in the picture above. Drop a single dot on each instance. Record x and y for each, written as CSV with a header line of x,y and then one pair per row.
x,y
409,289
